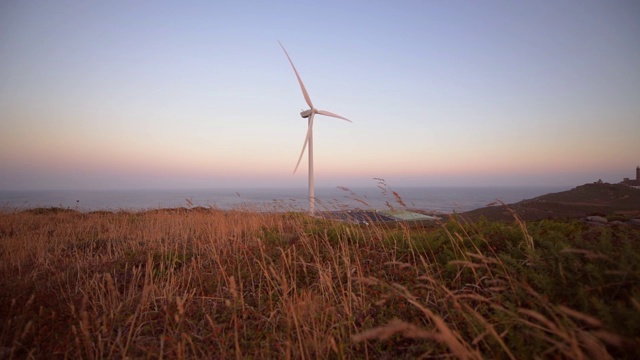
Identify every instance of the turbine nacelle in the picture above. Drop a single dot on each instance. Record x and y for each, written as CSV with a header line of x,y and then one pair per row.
x,y
305,114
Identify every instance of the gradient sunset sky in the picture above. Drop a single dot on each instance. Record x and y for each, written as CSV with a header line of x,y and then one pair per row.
x,y
183,94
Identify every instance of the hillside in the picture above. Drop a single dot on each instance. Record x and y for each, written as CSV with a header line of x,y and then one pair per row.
x,y
589,199
212,284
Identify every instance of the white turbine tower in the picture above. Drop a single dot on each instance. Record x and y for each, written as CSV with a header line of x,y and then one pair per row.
x,y
309,139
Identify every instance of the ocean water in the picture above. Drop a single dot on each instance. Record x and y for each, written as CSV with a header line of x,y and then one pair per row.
x,y
439,199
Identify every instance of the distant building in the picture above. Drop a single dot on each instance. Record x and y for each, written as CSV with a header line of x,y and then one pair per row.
x,y
632,182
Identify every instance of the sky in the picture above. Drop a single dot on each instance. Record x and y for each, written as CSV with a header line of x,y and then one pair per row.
x,y
185,94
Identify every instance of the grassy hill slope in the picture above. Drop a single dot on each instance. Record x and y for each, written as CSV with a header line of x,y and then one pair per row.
x,y
589,199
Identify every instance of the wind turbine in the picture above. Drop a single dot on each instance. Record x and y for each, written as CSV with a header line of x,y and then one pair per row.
x,y
308,140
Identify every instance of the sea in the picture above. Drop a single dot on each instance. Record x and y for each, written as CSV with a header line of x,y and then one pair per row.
x,y
430,199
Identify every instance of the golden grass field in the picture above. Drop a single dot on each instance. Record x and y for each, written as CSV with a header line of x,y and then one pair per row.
x,y
206,283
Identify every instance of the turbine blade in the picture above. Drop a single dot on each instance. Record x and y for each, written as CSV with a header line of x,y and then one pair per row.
x,y
327,113
306,141
304,90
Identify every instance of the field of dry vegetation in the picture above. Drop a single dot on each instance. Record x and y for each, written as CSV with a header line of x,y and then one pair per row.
x,y
206,283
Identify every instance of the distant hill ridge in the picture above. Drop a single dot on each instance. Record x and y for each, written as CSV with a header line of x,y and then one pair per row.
x,y
612,195
584,200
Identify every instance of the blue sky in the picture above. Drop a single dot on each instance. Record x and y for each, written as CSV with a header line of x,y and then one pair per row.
x,y
118,95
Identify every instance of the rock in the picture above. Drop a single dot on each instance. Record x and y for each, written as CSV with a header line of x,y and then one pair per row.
x,y
596,219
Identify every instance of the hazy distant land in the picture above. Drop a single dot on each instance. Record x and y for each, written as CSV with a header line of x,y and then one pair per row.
x,y
438,199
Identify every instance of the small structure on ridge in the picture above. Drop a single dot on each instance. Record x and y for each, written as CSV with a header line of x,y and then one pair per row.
x,y
631,182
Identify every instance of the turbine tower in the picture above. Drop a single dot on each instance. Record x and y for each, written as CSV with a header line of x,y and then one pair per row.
x,y
308,141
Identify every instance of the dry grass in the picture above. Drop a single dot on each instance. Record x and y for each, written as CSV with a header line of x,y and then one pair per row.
x,y
237,284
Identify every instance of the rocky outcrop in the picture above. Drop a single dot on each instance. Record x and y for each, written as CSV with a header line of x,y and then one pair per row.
x,y
596,219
